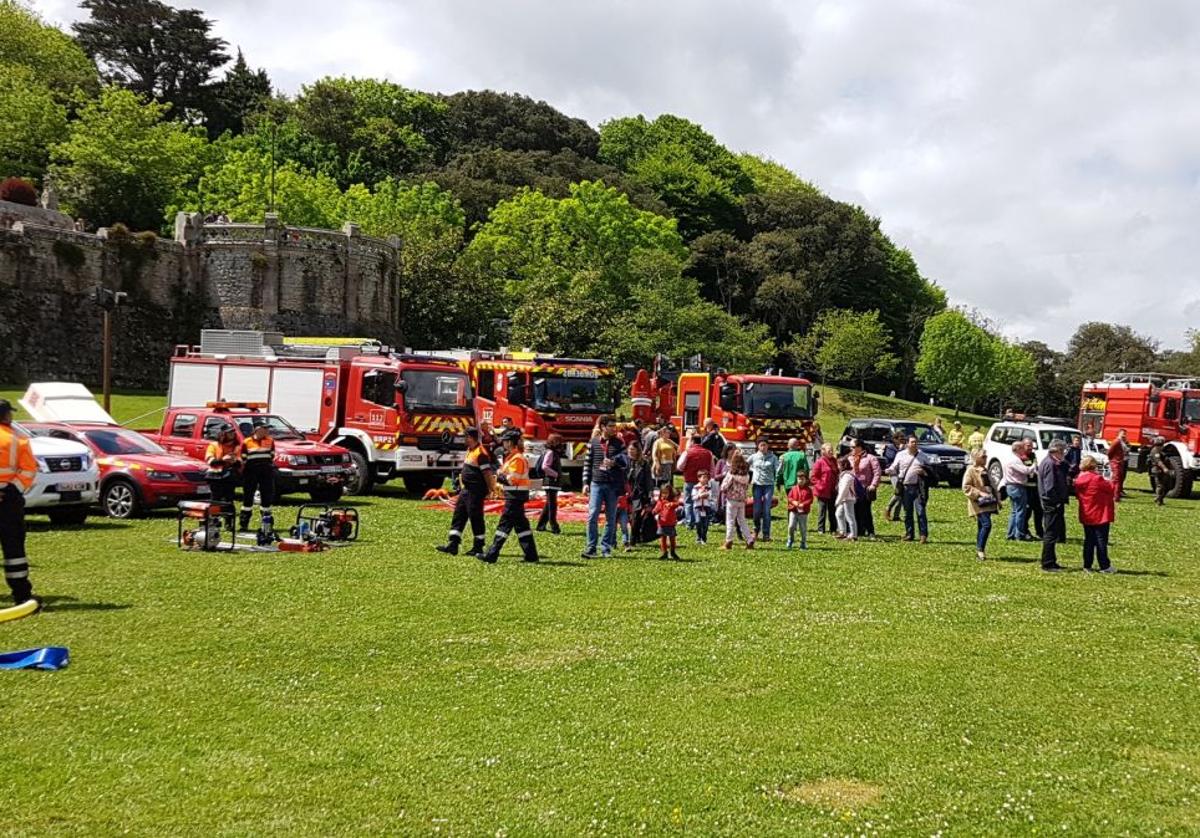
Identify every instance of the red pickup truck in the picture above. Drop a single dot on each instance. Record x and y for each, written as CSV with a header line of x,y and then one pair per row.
x,y
300,465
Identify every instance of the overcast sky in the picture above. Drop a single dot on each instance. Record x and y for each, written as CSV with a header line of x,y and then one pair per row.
x,y
1040,159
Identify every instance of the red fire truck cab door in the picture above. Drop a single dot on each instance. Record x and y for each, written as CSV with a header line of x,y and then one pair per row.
x,y
691,402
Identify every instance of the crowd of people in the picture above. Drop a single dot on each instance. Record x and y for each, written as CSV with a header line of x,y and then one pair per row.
x,y
646,483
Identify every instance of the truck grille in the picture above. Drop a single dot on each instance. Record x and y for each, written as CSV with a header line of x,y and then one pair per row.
x,y
64,463
433,442
327,459
194,476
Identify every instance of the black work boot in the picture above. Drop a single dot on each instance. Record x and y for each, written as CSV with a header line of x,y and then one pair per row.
x,y
244,520
450,548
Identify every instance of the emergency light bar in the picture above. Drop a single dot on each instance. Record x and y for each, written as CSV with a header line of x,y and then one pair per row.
x,y
236,405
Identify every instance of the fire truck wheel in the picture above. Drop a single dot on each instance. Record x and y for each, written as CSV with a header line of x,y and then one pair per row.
x,y
1180,479
326,494
360,481
120,499
419,484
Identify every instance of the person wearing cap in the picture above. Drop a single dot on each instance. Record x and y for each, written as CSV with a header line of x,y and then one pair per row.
x,y
956,437
1054,493
1161,473
513,477
18,468
258,477
223,463
476,481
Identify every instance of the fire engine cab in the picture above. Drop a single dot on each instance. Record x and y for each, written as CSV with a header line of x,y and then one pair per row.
x,y
541,395
747,408
397,414
1146,405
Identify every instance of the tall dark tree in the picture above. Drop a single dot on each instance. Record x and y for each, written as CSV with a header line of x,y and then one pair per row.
x,y
165,54
242,93
481,179
478,119
1097,348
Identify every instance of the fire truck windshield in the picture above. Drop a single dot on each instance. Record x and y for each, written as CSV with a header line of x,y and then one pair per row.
x,y
443,392
1191,411
277,428
789,401
556,392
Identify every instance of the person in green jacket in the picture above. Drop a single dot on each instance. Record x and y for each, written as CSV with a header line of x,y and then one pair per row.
x,y
791,463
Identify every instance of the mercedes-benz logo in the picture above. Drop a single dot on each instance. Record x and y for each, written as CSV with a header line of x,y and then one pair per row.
x,y
446,437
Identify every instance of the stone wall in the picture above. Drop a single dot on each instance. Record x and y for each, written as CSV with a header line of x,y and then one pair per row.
x,y
267,276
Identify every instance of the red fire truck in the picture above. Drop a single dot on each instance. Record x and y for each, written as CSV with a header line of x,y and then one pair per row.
x,y
541,395
1146,405
397,414
747,408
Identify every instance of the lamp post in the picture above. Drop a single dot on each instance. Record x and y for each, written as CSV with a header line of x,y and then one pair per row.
x,y
108,300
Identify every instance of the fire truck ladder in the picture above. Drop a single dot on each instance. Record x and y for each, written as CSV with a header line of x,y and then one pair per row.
x,y
1155,379
1182,384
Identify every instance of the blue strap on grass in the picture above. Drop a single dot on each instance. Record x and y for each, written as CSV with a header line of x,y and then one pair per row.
x,y
48,657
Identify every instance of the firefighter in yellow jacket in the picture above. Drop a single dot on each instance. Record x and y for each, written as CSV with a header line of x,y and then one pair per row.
x,y
514,479
476,482
18,469
258,475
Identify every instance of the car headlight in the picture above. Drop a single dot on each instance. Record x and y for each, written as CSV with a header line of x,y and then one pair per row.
x,y
935,459
345,458
163,475
42,466
297,459
86,461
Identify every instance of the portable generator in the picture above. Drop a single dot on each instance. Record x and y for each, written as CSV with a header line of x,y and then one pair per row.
x,y
327,523
202,525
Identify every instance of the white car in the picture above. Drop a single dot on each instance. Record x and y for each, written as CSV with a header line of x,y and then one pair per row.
x,y
997,444
68,479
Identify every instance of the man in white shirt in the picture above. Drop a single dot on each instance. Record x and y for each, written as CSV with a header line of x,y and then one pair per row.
x,y
910,467
1016,478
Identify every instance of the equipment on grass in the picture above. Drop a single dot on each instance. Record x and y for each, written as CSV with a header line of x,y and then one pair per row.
x,y
211,518
328,523
301,545
16,612
48,657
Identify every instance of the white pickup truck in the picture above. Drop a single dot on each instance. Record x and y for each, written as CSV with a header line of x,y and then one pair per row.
x,y
67,482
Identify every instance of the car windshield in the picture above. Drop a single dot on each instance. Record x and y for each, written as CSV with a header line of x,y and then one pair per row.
x,y
925,434
1191,411
592,394
445,392
792,401
1062,434
277,427
118,441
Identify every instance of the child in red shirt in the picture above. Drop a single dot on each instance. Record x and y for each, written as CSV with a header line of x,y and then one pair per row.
x,y
800,501
666,513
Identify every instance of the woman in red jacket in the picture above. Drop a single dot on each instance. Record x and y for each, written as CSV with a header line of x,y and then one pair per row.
x,y
1097,509
824,477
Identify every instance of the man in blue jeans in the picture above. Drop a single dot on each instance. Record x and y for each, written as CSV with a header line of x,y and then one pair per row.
x,y
604,471
910,466
764,470
1016,475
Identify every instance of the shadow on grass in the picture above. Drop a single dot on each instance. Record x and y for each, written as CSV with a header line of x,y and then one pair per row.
x,y
544,563
1015,559
92,524
70,603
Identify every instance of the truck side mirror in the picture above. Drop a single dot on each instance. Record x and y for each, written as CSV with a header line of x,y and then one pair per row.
x,y
401,386
816,402
515,385
728,397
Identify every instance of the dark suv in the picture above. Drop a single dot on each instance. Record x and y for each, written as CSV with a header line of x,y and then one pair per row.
x,y
946,462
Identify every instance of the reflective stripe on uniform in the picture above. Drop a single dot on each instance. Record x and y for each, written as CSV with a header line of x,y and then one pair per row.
x,y
16,568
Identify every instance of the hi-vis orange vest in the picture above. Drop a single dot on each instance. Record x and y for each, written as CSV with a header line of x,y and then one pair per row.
x,y
217,469
516,470
17,465
254,451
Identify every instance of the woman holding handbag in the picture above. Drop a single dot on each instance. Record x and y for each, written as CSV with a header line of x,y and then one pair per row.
x,y
983,500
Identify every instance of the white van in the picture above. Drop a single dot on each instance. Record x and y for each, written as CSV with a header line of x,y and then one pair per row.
x,y
68,479
1001,436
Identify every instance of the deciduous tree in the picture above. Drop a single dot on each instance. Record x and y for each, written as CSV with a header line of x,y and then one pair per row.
x,y
123,162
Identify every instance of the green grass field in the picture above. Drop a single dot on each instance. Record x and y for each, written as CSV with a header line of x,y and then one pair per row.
x,y
877,688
